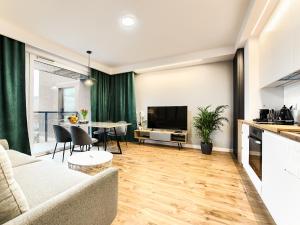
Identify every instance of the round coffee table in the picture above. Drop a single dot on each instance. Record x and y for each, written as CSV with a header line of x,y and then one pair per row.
x,y
90,162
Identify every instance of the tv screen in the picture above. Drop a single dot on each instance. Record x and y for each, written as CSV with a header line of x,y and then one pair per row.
x,y
167,117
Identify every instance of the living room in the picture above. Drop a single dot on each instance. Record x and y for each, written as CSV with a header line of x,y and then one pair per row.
x,y
156,112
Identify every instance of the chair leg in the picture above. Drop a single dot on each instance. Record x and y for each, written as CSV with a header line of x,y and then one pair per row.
x,y
54,151
64,152
72,149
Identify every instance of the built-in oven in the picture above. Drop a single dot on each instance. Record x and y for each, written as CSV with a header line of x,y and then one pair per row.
x,y
255,150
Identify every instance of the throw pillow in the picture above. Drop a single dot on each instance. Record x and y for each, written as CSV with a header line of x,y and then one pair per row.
x,y
12,199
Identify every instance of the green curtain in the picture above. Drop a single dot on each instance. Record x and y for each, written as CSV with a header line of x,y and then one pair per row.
x,y
100,96
113,98
13,121
122,95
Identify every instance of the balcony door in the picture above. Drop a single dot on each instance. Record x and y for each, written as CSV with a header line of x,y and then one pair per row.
x,y
54,94
66,101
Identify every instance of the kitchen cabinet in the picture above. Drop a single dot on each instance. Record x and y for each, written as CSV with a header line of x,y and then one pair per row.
x,y
280,46
296,35
276,56
245,145
245,159
280,178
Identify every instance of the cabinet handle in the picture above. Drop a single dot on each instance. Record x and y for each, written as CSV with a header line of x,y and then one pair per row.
x,y
292,174
257,142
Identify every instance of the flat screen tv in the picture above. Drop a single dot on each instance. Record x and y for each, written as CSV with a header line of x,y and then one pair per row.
x,y
167,117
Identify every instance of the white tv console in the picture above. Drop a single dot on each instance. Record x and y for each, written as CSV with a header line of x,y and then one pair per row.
x,y
161,135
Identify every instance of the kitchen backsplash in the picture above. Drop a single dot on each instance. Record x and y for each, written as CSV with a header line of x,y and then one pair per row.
x,y
292,97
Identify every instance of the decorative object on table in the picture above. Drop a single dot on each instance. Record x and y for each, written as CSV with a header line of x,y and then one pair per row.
x,y
84,113
206,122
142,121
73,119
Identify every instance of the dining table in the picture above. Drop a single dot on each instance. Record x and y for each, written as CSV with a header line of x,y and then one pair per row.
x,y
101,125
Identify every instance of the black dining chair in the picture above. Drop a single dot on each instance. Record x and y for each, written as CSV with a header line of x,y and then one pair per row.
x,y
101,135
81,138
62,135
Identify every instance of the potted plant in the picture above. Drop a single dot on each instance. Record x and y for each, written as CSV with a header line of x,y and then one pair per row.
x,y
84,113
206,122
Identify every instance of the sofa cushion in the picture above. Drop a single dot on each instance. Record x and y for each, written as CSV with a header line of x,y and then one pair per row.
x,y
4,143
19,159
43,180
12,199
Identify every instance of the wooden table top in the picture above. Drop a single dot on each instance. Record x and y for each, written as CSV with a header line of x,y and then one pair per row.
x,y
273,127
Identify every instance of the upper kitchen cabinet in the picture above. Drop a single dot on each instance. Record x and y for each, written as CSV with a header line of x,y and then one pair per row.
x,y
279,45
276,56
296,35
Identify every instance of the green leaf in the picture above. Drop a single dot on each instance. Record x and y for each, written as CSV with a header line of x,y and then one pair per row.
x,y
207,121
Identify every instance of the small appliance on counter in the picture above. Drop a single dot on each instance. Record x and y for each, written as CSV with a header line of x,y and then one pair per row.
x,y
263,115
283,116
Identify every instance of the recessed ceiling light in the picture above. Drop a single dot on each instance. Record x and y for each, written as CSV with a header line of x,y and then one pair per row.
x,y
128,21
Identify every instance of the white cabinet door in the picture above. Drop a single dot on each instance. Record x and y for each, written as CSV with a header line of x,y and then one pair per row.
x,y
272,173
245,145
291,182
280,184
276,56
296,34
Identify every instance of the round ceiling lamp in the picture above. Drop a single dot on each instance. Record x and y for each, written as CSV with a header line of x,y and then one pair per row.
x,y
128,21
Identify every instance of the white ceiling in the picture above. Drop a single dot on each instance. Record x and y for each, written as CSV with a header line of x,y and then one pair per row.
x,y
166,28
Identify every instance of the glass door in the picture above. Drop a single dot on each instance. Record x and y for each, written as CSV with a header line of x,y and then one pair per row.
x,y
54,92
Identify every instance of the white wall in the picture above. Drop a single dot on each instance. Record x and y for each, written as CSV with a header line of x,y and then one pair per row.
x,y
208,84
252,88
292,97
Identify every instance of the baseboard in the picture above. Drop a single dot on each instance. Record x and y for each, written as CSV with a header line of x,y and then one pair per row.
x,y
217,149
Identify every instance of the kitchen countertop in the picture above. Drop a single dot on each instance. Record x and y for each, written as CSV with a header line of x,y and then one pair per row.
x,y
291,135
290,131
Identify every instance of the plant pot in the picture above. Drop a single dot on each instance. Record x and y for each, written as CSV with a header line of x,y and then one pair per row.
x,y
206,148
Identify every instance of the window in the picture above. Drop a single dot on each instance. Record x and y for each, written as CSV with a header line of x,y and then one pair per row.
x,y
68,100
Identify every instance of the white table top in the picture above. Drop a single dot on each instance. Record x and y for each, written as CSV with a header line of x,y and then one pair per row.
x,y
106,125
90,158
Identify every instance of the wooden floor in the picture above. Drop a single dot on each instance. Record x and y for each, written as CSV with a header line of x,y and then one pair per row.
x,y
160,185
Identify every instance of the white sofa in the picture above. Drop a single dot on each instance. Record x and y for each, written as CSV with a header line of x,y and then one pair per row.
x,y
60,196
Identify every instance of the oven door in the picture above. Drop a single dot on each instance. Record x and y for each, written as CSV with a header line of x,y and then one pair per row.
x,y
255,155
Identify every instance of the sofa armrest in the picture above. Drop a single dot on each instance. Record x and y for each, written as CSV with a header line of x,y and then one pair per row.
x,y
93,202
4,143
